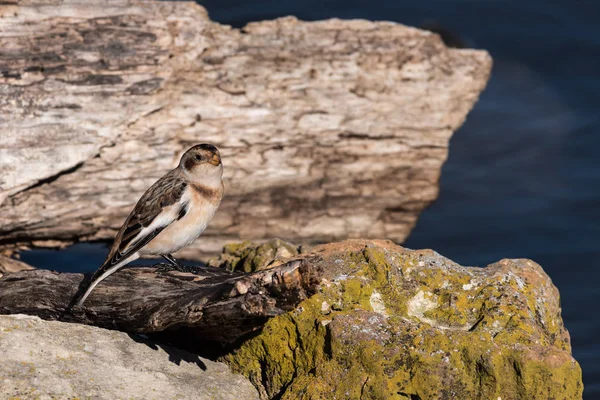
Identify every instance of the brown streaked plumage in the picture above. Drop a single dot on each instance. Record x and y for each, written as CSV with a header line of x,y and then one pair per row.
x,y
163,193
170,215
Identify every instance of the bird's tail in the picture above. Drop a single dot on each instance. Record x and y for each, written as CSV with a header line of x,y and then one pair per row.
x,y
102,273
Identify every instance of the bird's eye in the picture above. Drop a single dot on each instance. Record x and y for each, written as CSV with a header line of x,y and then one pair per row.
x,y
197,157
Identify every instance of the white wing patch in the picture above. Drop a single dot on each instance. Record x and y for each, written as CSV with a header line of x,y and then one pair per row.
x,y
181,232
167,216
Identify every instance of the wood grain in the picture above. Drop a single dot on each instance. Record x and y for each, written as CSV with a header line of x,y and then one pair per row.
x,y
215,304
327,130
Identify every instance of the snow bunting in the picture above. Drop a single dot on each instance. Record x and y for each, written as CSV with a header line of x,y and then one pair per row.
x,y
170,215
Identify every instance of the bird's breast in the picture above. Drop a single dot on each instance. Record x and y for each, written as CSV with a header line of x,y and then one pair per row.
x,y
184,231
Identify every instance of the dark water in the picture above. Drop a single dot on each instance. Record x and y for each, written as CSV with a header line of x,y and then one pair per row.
x,y
523,175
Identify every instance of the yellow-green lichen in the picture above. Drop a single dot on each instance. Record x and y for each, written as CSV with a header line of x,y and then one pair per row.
x,y
249,257
441,332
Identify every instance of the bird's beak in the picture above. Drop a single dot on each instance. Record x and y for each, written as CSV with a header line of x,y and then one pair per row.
x,y
215,160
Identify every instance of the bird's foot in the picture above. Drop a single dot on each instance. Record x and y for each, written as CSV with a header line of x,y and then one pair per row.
x,y
166,267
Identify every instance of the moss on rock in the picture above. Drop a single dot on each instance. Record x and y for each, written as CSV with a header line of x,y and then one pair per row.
x,y
392,323
249,257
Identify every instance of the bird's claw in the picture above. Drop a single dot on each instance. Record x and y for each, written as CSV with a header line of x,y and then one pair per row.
x,y
167,267
164,267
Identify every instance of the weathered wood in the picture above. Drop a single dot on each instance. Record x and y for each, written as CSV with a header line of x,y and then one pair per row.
x,y
328,129
215,304
8,264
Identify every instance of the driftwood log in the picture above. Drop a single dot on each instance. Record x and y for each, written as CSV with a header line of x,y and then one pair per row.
x,y
214,304
8,264
328,129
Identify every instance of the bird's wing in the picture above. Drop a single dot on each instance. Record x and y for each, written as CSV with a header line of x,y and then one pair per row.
x,y
158,207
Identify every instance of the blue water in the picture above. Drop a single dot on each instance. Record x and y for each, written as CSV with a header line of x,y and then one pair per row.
x,y
523,175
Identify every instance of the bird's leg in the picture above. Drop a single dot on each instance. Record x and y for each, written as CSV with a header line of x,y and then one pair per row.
x,y
172,260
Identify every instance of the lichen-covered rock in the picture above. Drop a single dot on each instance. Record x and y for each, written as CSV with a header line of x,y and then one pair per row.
x,y
393,323
250,257
56,360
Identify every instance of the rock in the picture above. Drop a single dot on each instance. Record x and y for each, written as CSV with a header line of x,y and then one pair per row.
x,y
346,123
250,257
410,324
386,322
45,359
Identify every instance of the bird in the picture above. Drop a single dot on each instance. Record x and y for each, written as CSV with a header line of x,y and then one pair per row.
x,y
169,216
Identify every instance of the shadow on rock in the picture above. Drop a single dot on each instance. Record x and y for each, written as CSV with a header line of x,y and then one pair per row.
x,y
176,355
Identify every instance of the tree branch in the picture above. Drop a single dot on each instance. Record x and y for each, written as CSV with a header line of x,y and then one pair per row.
x,y
217,304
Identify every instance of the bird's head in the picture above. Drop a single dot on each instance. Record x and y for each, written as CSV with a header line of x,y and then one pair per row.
x,y
202,162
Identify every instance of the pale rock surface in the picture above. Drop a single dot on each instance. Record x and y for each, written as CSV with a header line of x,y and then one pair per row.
x,y
57,360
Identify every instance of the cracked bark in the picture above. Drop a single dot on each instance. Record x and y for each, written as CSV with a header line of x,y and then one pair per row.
x,y
215,304
328,129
